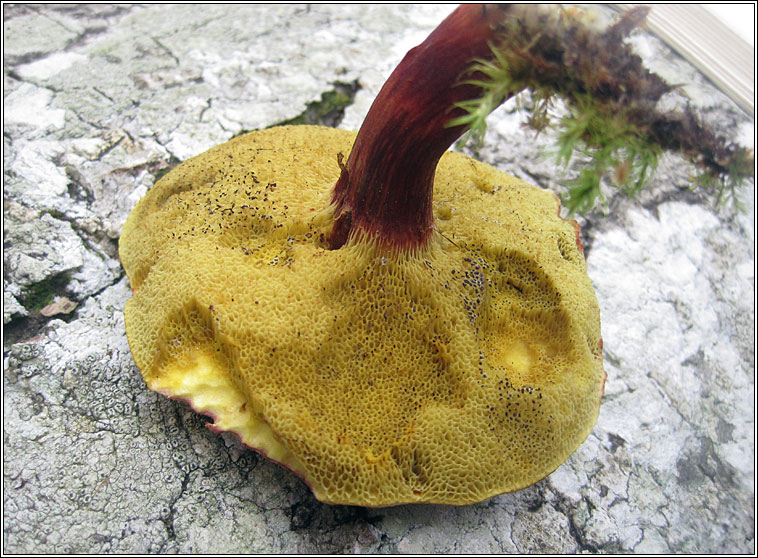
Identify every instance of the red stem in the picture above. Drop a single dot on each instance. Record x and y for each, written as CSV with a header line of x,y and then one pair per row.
x,y
385,189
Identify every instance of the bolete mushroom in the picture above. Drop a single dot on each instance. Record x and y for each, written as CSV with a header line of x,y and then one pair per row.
x,y
393,322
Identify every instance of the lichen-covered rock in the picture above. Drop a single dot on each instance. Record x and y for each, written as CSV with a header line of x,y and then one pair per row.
x,y
94,461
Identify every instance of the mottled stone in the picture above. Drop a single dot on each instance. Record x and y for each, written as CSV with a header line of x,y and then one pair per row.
x,y
103,99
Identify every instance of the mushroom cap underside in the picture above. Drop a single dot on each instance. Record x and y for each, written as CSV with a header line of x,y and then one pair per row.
x,y
447,374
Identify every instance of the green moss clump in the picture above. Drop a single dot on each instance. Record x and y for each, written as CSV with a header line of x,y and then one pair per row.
x,y
38,295
329,110
611,105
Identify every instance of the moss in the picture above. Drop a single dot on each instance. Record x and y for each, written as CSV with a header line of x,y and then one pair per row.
x,y
329,110
612,102
38,295
160,170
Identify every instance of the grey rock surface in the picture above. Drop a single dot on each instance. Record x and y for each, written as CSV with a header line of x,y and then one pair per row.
x,y
100,100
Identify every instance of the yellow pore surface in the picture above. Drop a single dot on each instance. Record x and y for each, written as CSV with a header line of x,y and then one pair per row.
x,y
459,371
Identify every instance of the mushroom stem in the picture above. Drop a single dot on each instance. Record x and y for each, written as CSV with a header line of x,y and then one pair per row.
x,y
385,189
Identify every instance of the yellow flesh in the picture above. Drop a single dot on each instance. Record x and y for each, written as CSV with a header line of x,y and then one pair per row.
x,y
459,371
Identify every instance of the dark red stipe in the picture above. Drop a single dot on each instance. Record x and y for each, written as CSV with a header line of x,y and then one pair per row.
x,y
385,188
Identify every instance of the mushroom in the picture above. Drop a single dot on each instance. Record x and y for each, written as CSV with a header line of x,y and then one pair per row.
x,y
393,322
